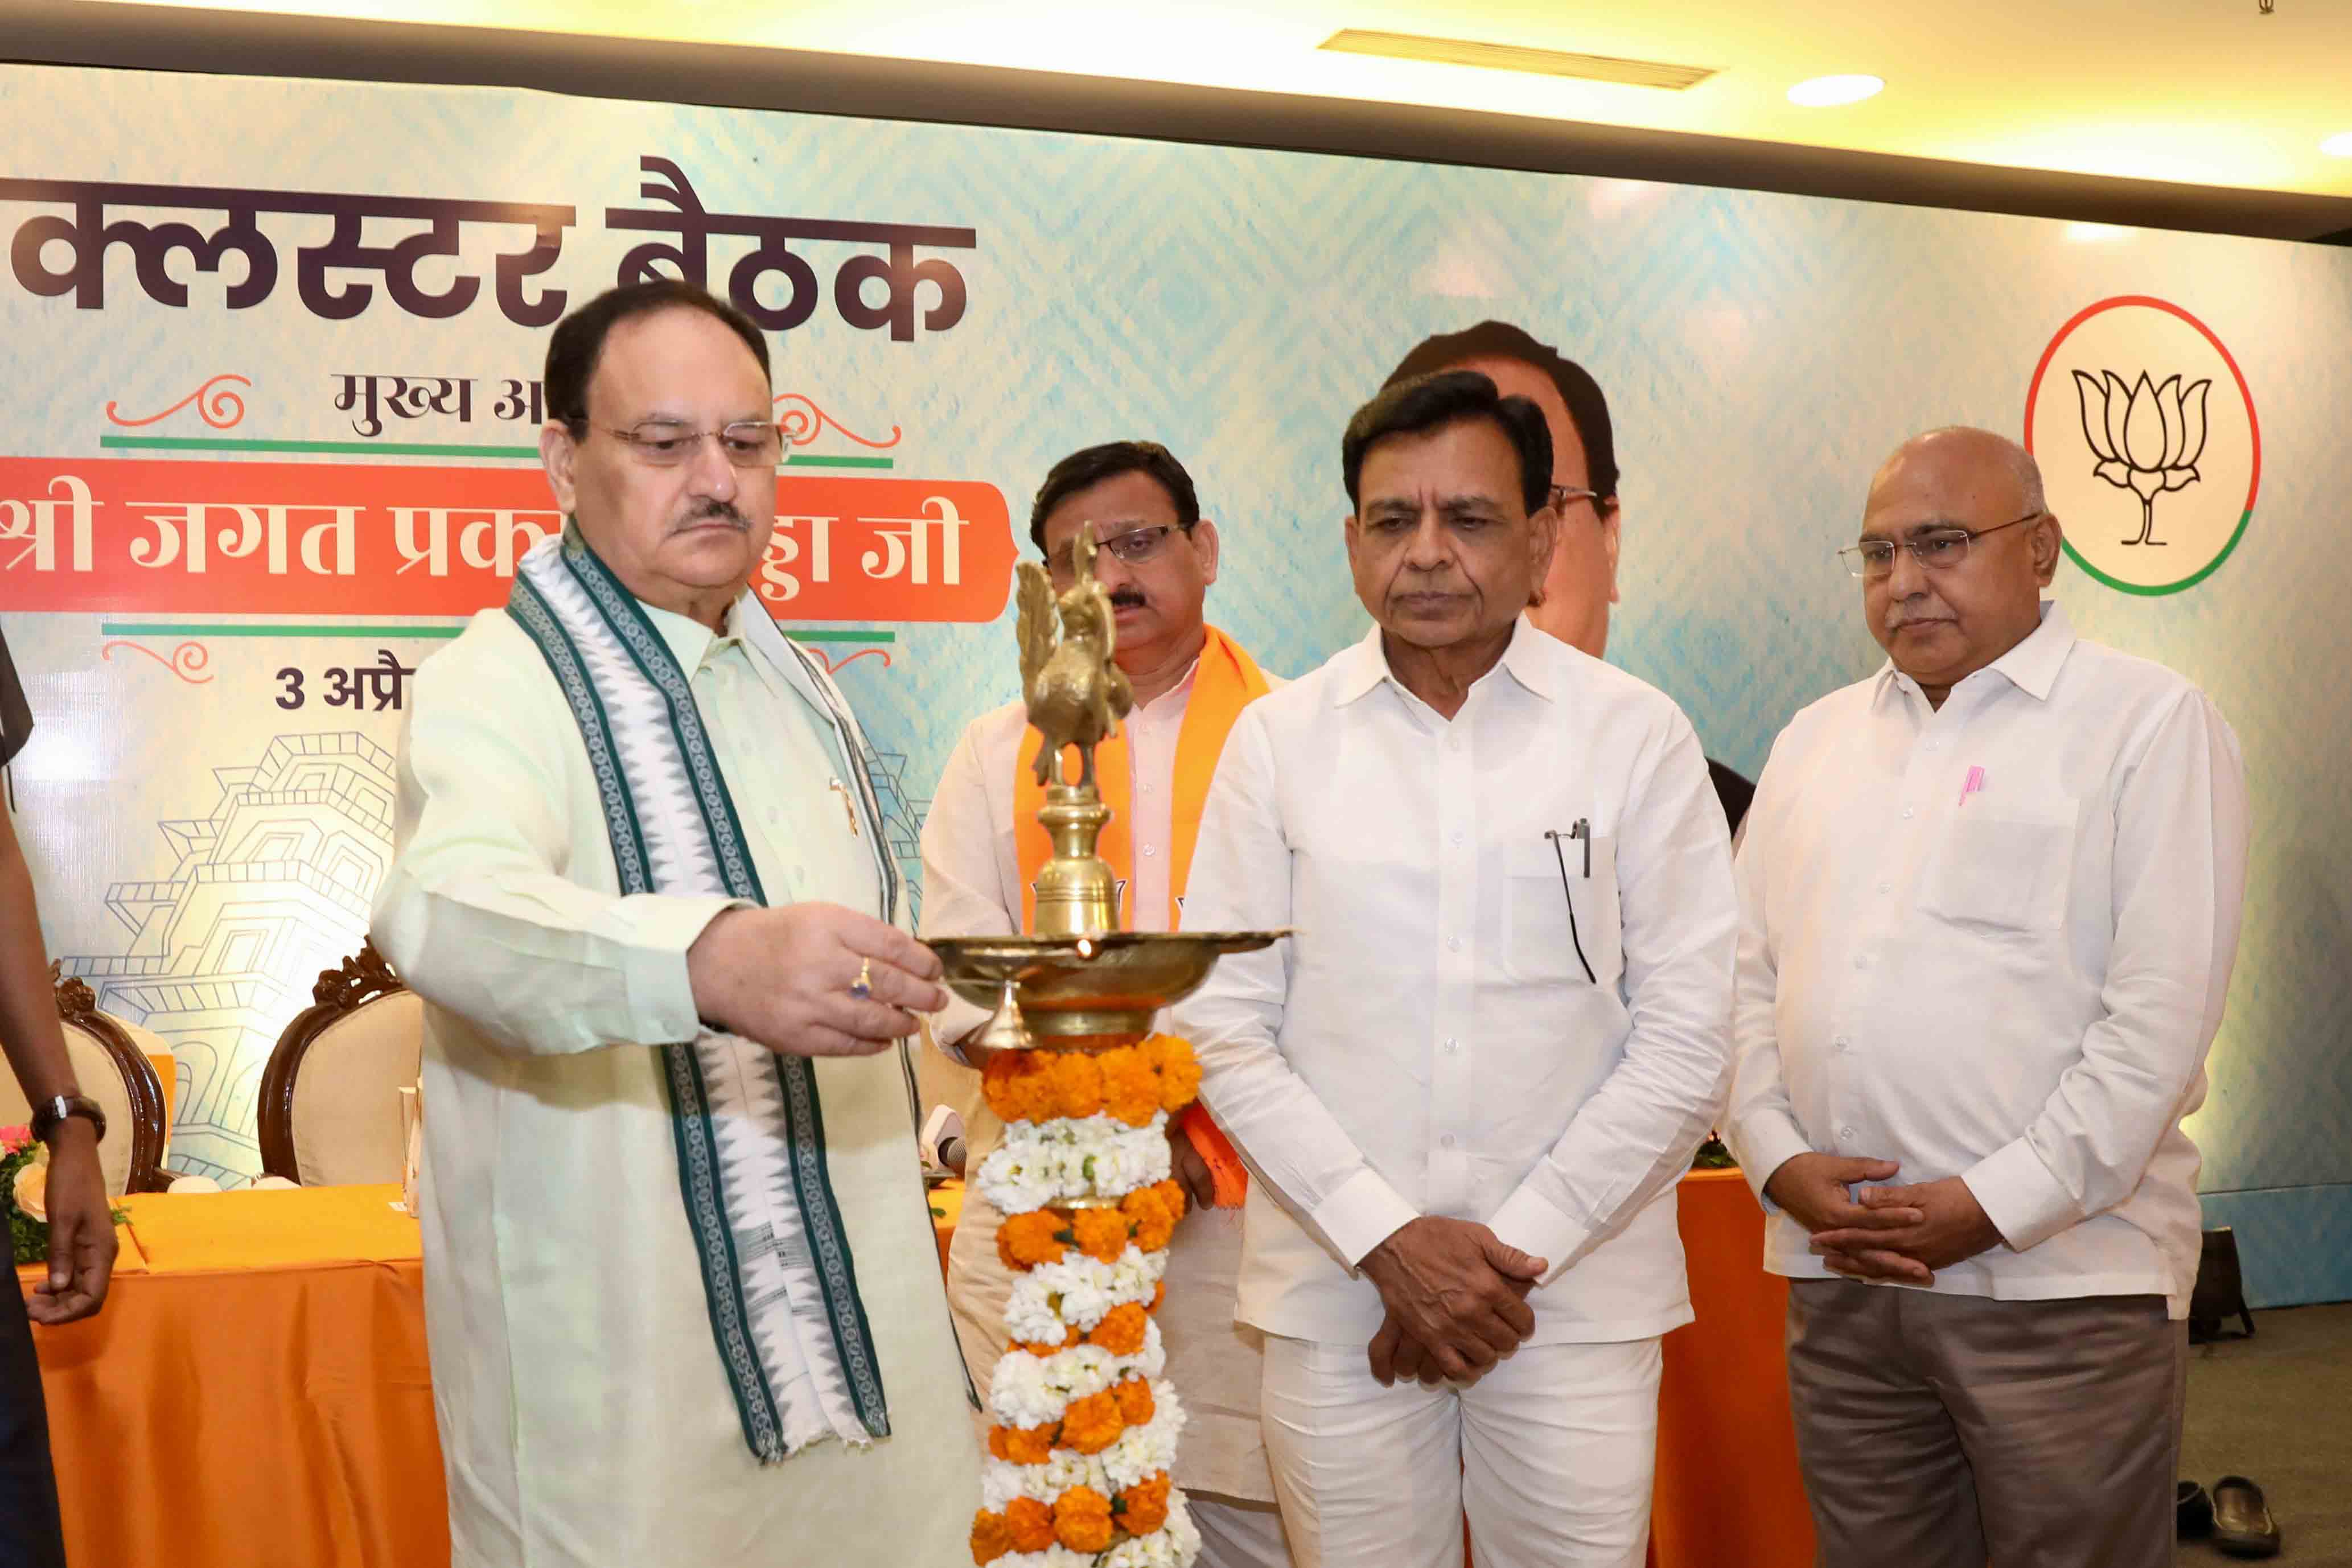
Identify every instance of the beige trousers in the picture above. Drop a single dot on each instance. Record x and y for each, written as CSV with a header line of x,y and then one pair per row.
x,y
1940,1430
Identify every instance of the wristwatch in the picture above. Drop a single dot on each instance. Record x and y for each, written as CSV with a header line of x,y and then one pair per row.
x,y
50,1113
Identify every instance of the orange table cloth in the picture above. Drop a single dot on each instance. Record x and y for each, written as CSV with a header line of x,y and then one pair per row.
x,y
255,1391
1728,1489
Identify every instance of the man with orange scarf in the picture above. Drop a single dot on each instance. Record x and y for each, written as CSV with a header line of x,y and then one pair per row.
x,y
982,849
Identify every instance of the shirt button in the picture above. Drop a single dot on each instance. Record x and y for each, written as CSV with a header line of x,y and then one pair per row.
x,y
1861,960
1453,944
1883,886
1907,811
1452,742
1452,1046
1446,1141
1149,849
1842,1042
1458,835
1847,1132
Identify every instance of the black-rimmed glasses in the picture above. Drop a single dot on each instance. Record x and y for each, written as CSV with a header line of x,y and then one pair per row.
x,y
1133,548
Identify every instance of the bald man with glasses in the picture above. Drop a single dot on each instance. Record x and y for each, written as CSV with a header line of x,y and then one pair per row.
x,y
1990,901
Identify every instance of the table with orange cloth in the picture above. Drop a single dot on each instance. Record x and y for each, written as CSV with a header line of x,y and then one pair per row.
x,y
1728,1488
255,1390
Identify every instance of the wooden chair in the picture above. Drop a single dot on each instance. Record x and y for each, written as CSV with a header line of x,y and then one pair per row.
x,y
112,1069
329,1113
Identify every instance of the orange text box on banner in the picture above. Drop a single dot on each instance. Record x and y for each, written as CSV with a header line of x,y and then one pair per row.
x,y
113,535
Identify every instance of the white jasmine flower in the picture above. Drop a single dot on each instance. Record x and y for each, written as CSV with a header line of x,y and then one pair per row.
x,y
1022,1392
1030,1314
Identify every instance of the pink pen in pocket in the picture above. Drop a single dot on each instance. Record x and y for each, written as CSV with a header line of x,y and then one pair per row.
x,y
1975,782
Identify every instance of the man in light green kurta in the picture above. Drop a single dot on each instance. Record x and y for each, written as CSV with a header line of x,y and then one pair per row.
x,y
586,1417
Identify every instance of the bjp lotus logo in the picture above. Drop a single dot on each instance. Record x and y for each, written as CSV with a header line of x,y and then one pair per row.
x,y
2148,438
2171,439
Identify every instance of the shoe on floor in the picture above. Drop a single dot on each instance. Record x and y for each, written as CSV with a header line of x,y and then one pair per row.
x,y
2192,1512
2242,1525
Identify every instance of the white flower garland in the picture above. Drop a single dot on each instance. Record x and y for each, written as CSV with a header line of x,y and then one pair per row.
x,y
1031,1390
1061,1163
1040,1164
1140,1453
1078,1292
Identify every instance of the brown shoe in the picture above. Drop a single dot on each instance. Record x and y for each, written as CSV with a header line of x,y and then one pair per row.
x,y
2242,1525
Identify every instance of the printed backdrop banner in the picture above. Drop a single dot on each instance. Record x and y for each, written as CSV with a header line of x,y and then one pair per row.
x,y
272,403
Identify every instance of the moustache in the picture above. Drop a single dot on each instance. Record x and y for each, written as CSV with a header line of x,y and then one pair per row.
x,y
717,510
1894,620
1128,598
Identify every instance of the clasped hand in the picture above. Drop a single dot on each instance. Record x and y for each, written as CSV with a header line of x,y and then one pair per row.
x,y
1456,1299
782,978
1900,1234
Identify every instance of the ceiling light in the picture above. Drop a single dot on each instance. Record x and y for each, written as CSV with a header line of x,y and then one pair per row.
x,y
1517,57
1827,92
2338,145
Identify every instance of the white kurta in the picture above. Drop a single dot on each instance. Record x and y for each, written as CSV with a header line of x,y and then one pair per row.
x,y
1476,1018
1992,940
584,1418
971,886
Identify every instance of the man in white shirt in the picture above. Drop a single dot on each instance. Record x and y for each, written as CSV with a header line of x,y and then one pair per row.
x,y
1990,904
982,847
680,1286
1468,1083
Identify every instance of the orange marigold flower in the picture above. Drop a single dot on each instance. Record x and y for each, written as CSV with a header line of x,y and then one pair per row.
x,y
989,1538
1121,1330
1092,1424
1179,1074
1100,1233
1134,1397
1077,1083
1022,1444
1159,1294
1025,1241
1145,1506
1019,1089
1147,1209
1131,1089
1030,1523
1082,1520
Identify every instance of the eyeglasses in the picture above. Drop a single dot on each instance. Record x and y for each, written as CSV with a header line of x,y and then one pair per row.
x,y
1133,548
1561,494
747,443
1937,550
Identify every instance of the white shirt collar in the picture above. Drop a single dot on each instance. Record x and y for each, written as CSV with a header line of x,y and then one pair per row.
x,y
1528,658
2031,667
690,642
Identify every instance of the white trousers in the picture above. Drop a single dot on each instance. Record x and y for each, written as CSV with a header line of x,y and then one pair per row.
x,y
1550,1454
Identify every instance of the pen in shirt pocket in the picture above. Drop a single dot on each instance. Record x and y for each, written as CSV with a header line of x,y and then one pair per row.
x,y
1976,780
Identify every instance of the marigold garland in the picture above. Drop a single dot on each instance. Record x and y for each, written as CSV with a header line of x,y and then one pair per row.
x,y
1132,1082
1087,1209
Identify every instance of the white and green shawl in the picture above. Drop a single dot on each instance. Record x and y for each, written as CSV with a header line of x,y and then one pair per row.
x,y
776,1267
